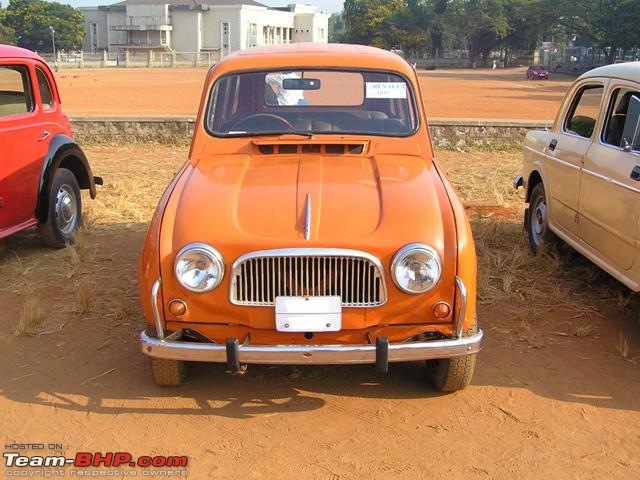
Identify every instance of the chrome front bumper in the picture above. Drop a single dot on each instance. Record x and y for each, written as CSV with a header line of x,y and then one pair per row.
x,y
233,353
309,354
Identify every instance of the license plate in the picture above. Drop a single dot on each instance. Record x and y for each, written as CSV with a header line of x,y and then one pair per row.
x,y
308,314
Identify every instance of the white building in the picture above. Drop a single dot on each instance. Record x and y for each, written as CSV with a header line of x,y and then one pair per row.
x,y
222,26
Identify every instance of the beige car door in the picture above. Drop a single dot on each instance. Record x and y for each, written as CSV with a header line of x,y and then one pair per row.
x,y
567,148
609,191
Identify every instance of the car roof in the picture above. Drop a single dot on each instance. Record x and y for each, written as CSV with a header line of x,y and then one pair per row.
x,y
315,55
628,70
8,51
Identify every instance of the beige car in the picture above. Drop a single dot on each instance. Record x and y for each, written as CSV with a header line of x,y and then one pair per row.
x,y
582,177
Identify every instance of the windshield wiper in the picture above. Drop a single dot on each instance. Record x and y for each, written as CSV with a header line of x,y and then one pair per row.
x,y
267,134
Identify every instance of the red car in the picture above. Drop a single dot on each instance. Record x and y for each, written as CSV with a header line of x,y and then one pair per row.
x,y
537,72
42,168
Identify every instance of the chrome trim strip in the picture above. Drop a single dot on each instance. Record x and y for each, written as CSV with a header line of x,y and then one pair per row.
x,y
155,290
463,307
311,354
611,180
308,252
307,218
555,159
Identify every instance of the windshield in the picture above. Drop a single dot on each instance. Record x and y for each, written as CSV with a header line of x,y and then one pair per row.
x,y
311,102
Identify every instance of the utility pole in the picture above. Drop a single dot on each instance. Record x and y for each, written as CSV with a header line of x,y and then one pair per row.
x,y
53,42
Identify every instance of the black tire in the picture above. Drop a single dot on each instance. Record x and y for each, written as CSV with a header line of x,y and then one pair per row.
x,y
168,373
540,235
452,374
64,213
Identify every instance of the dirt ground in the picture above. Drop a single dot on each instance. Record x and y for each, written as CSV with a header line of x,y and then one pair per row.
x,y
482,93
555,395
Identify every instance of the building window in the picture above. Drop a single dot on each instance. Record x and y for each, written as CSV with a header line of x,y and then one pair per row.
x,y
252,35
224,38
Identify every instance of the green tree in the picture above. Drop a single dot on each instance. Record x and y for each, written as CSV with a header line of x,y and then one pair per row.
x,y
483,23
368,22
336,28
611,24
7,35
30,19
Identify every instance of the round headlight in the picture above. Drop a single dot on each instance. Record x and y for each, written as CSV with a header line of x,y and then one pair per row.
x,y
199,267
416,268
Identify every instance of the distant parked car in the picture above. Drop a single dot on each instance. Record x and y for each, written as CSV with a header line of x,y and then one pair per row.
x,y
537,72
582,177
42,168
311,224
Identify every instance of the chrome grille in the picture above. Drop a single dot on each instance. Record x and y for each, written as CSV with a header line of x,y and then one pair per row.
x,y
259,277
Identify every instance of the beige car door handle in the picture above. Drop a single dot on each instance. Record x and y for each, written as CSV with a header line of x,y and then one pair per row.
x,y
44,136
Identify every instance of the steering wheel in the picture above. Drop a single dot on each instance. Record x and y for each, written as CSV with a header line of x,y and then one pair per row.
x,y
257,121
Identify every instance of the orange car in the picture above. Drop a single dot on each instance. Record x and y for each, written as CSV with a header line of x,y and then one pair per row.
x,y
310,224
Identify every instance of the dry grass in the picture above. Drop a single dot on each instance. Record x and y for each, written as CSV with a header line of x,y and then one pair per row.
x,y
622,346
84,298
30,319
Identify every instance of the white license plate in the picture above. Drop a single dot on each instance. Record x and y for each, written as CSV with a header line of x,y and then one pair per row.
x,y
308,314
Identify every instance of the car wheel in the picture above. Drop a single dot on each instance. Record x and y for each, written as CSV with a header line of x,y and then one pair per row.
x,y
168,373
540,235
451,374
64,214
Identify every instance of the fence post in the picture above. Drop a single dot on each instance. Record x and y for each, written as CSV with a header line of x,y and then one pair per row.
x,y
105,58
150,62
126,58
173,59
195,59
81,59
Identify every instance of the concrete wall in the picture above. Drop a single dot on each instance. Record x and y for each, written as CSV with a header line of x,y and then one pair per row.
x,y
446,133
116,37
187,30
91,16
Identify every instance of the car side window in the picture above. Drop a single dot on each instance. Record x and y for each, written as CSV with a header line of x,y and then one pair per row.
x,y
623,117
45,90
15,90
584,111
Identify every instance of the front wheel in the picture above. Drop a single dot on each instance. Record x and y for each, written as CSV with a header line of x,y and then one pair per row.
x,y
168,373
540,235
451,374
64,213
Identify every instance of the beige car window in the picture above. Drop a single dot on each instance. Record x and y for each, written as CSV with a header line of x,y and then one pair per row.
x,y
15,94
621,128
584,112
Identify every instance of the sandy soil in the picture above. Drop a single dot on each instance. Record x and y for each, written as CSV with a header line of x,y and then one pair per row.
x,y
499,94
555,395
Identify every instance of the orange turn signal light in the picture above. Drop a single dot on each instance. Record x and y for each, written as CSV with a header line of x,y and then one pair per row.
x,y
177,308
441,310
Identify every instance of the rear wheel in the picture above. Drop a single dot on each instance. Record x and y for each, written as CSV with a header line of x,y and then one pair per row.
x,y
64,213
168,373
540,236
451,374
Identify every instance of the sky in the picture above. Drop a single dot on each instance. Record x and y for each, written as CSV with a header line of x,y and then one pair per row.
x,y
328,6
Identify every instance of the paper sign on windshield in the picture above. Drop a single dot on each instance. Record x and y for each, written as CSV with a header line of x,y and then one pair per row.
x,y
386,90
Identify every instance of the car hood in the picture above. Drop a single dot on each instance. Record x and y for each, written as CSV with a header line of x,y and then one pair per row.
x,y
249,202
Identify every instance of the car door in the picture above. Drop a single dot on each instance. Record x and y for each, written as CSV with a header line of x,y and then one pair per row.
x,y
24,145
568,145
609,191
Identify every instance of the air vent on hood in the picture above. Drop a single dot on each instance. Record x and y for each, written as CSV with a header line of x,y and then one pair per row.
x,y
314,148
